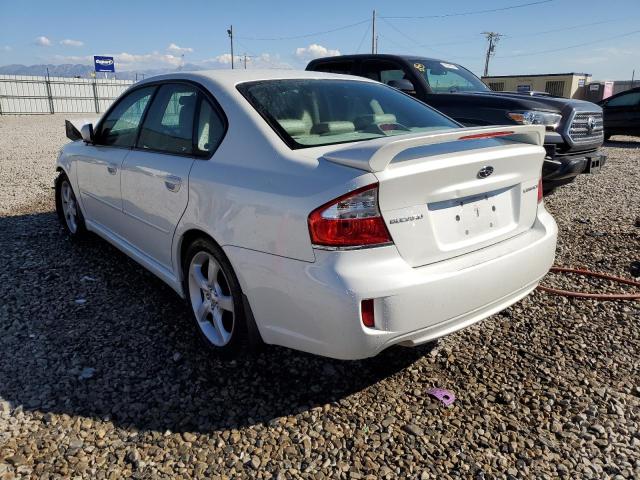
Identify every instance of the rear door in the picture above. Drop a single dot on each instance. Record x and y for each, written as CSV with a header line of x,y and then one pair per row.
x,y
179,129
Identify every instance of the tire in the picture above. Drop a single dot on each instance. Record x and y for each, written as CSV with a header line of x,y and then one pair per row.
x,y
216,304
69,212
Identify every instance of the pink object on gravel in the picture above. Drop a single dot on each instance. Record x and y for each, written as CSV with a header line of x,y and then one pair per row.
x,y
445,396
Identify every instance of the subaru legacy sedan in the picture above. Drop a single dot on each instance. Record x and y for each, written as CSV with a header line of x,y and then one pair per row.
x,y
325,213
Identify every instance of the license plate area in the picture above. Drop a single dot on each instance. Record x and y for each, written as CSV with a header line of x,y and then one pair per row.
x,y
477,218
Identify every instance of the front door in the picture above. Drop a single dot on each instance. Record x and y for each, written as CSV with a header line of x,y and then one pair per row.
x,y
99,168
621,112
155,175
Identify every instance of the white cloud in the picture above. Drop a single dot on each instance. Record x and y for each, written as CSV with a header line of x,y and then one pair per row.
x,y
263,61
42,41
315,51
175,49
6,48
67,42
225,59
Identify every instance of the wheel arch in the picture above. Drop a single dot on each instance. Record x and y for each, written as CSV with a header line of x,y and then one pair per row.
x,y
189,236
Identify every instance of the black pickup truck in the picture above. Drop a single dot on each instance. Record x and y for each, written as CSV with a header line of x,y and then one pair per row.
x,y
574,127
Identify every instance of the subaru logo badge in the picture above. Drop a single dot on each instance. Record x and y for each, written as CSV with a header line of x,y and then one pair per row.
x,y
485,171
591,125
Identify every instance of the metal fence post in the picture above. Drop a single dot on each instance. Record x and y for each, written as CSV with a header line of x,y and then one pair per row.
x,y
47,82
95,95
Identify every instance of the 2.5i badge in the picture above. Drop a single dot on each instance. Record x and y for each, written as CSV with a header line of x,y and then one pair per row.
x,y
411,218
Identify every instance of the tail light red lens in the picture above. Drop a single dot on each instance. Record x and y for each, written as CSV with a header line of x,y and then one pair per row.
x,y
351,220
540,190
366,310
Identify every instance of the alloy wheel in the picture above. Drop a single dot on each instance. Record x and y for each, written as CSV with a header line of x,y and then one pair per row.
x,y
211,299
69,206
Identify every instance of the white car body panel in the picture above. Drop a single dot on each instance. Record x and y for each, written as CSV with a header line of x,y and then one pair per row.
x,y
253,198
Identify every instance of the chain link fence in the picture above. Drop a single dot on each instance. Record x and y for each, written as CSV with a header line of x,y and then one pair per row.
x,y
20,94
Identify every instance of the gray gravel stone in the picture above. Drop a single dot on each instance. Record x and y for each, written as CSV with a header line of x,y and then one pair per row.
x,y
548,388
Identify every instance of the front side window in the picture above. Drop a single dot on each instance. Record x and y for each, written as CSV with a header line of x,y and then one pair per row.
x,y
444,77
627,100
308,113
168,127
120,127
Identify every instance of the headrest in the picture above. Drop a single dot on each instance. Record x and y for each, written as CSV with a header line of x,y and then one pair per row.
x,y
333,128
294,127
364,121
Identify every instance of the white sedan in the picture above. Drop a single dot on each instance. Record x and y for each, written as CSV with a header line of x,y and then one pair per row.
x,y
326,213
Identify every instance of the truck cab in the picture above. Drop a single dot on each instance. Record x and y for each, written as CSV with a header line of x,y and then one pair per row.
x,y
574,128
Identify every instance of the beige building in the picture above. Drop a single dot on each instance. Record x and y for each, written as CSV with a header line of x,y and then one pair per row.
x,y
568,85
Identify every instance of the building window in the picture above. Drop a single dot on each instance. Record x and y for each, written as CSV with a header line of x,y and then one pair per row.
x,y
555,87
496,86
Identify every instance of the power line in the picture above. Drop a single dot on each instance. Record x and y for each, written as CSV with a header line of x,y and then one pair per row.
x,y
363,37
307,35
522,35
473,12
540,52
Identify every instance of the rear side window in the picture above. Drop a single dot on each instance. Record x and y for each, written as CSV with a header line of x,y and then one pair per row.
x,y
120,127
309,113
210,128
382,71
345,68
168,127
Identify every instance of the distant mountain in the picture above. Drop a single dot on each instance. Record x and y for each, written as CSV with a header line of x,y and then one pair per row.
x,y
84,71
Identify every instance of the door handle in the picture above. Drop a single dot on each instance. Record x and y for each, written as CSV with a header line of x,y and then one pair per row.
x,y
172,183
112,169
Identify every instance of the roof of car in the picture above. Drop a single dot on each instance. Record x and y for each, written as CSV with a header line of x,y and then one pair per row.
x,y
381,56
233,77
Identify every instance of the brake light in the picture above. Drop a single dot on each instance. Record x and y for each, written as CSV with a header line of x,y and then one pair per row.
x,y
540,190
367,313
476,136
351,220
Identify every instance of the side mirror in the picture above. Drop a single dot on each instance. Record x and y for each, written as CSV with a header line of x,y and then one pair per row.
x,y
87,132
403,85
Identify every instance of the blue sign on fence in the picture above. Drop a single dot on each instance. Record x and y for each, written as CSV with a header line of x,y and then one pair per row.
x,y
104,64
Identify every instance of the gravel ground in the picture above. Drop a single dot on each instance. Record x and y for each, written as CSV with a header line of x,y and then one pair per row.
x,y
102,376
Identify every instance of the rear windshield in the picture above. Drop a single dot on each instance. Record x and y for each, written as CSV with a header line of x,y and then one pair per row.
x,y
311,113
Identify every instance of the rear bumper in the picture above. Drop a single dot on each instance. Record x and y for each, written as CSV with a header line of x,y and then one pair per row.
x,y
563,169
315,307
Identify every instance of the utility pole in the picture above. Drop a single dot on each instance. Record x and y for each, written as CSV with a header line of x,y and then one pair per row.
x,y
230,33
377,36
492,38
373,33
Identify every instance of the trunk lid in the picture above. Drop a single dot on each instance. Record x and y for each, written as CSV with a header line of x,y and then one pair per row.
x,y
442,197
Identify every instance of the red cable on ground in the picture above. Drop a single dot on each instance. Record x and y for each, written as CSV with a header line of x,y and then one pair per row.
x,y
592,296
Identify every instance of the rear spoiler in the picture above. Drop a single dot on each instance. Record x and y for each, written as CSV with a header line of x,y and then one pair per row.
x,y
73,126
375,155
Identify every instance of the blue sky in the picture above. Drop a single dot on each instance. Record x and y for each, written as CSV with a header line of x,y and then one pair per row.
x,y
146,35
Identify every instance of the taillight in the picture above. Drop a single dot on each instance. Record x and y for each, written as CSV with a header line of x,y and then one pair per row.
x,y
351,220
540,190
